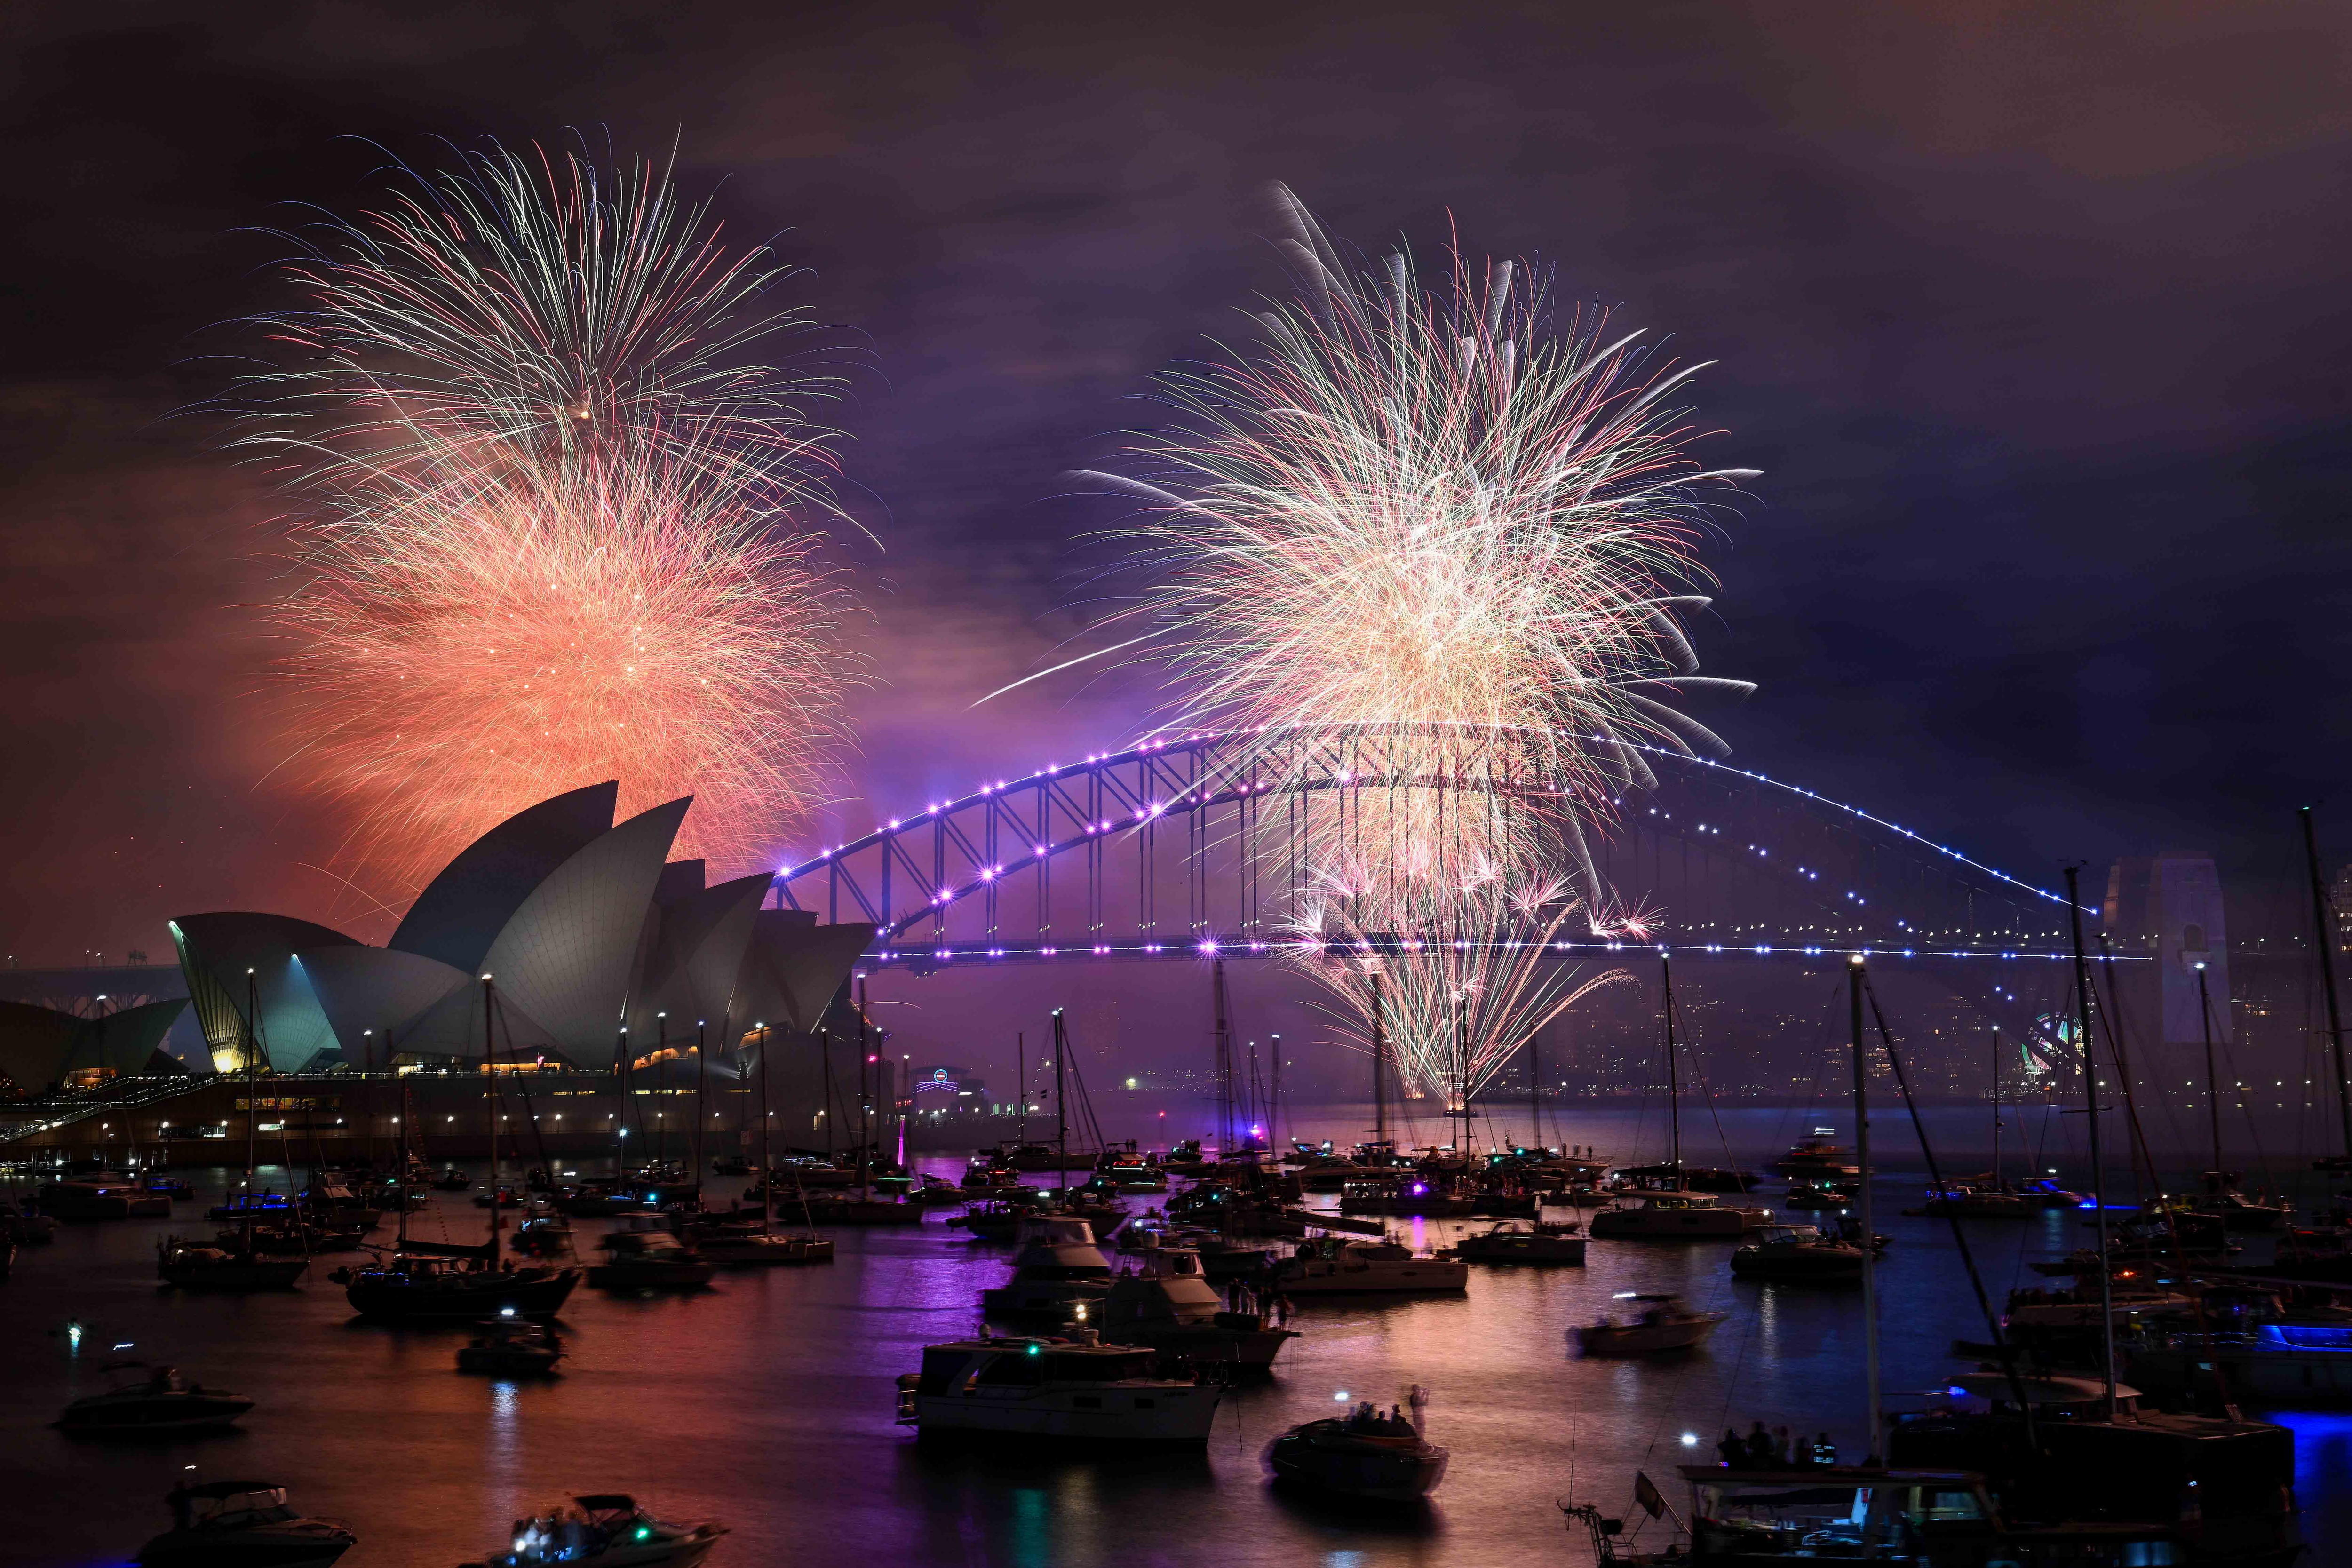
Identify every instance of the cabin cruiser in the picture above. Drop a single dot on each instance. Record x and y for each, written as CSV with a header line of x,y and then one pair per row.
x,y
1797,1252
511,1347
242,1524
1052,1388
1517,1241
1816,1157
1058,1268
607,1530
2295,1365
453,1283
1171,1308
650,1260
1660,1323
731,1247
1334,1265
192,1265
1363,1454
1675,1174
1959,1200
1653,1214
145,1401
2236,1211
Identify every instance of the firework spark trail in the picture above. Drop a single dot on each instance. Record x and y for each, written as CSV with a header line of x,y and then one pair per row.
x,y
553,525
1464,981
1413,510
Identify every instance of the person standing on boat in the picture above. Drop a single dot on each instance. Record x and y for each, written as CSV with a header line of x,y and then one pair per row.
x,y
1759,1447
1734,1452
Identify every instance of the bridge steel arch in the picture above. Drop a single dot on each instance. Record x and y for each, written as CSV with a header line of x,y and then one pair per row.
x,y
1184,845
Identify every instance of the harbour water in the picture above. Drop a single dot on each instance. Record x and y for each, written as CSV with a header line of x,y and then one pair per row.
x,y
766,1403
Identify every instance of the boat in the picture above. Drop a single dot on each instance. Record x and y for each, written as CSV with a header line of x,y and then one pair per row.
x,y
420,1286
1333,1265
741,1247
2299,1365
511,1347
1075,1390
1651,1216
2222,1199
608,1530
103,1197
1958,1200
452,1180
1797,1252
25,1225
1169,1307
146,1401
650,1260
1363,1454
543,1236
242,1524
195,1266
1059,1267
1660,1323
1406,1193
1695,1178
1517,1241
1817,1158
730,1165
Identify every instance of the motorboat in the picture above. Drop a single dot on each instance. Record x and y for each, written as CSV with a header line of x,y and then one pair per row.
x,y
608,1530
511,1347
260,1208
1663,1214
1058,1267
1818,1157
730,1247
542,1236
1080,1390
1797,1252
103,1197
1520,1241
1815,1197
1661,1323
145,1401
455,1284
243,1524
1169,1307
1958,1200
1403,1194
2234,1208
1363,1454
1334,1265
986,1173
452,1180
193,1266
2300,1365
730,1165
650,1260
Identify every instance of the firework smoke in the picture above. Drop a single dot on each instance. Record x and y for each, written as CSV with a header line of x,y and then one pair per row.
x,y
555,521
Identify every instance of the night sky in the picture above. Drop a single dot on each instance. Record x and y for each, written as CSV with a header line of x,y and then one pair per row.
x,y
2033,317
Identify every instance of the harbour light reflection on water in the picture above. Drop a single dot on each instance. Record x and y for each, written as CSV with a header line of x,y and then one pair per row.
x,y
766,1404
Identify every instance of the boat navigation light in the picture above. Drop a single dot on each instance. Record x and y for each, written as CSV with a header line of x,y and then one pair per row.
x,y
506,1312
1690,1440
1624,1295
1340,1397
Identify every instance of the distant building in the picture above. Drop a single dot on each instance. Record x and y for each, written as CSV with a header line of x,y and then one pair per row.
x,y
2167,908
946,1088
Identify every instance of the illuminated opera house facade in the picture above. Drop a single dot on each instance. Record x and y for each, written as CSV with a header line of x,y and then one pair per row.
x,y
602,948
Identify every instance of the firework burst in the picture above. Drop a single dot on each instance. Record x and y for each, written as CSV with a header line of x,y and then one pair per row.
x,y
1458,975
1427,512
554,527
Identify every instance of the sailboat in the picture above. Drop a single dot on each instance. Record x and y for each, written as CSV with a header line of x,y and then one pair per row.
x,y
1665,1204
426,1281
237,1262
730,1244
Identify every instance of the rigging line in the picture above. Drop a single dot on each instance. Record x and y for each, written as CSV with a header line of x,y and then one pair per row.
x,y
1706,1091
1960,1237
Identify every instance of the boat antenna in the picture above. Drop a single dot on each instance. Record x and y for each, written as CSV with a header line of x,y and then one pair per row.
x,y
2091,1107
2323,921
1061,1105
1877,1445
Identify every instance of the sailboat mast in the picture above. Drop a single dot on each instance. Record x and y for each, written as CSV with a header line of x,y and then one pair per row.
x,y
1379,1063
767,1165
701,1111
1535,1082
1061,1106
865,1102
1996,1108
2098,1166
1673,1082
1225,1059
490,1107
2323,919
2212,1080
1869,1248
252,1094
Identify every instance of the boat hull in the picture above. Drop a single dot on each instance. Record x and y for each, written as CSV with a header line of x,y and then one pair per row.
x,y
1422,1276
152,1415
1122,1417
265,1548
1401,1475
393,1298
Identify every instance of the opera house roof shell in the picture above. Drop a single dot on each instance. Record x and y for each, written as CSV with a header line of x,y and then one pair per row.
x,y
595,938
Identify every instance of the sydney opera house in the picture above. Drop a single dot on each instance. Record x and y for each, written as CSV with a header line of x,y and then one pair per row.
x,y
601,949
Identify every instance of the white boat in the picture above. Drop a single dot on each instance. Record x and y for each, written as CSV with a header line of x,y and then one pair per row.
x,y
243,1524
1169,1307
1517,1241
607,1530
1058,1269
1334,1265
1664,1215
1660,1323
144,1402
1054,1389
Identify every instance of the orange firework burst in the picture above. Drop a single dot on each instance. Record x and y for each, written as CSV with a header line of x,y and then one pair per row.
x,y
558,530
